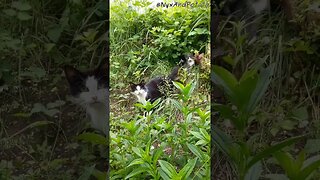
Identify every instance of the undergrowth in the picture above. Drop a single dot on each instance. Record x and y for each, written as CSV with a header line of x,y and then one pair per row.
x,y
38,124
267,122
170,138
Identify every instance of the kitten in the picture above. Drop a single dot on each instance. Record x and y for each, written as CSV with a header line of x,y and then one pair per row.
x,y
91,90
151,91
190,60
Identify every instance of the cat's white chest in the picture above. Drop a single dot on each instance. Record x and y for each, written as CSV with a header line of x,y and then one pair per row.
x,y
259,5
98,116
141,94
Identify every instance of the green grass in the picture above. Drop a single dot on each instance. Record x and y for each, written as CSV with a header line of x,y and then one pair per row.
x,y
39,125
158,143
288,108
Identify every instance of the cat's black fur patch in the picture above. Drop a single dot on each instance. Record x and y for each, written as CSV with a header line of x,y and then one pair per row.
x,y
77,78
153,87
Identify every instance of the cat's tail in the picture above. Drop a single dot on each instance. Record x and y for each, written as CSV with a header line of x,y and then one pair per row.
x,y
174,73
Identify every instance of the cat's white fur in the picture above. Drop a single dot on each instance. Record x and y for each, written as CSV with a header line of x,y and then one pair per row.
x,y
190,62
259,6
95,101
141,94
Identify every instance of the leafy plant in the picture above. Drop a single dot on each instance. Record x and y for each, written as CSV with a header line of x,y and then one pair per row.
x,y
244,94
299,168
247,163
167,171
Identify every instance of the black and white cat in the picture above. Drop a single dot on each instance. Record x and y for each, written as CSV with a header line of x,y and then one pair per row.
x,y
90,89
188,61
151,91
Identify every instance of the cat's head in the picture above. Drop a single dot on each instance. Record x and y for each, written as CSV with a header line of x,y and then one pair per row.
x,y
139,91
190,60
90,87
187,60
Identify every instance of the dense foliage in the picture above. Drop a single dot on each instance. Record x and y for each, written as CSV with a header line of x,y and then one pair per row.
x,y
170,138
38,124
268,118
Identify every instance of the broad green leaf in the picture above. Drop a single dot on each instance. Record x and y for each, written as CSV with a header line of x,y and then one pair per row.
x,y
138,151
222,140
51,112
300,114
21,5
300,160
10,12
23,16
189,89
197,134
310,160
224,110
312,146
228,59
93,138
139,105
136,161
244,90
254,172
198,152
201,142
273,149
226,80
286,162
54,33
158,152
167,168
164,175
49,46
87,173
188,168
309,169
203,114
137,171
38,107
178,85
248,75
261,87
205,134
287,124
147,151
99,175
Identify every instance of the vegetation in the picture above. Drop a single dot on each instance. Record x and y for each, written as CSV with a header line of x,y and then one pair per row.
x,y
267,127
38,124
169,138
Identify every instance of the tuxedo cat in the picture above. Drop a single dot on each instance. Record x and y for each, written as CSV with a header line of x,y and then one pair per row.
x,y
151,91
90,89
188,61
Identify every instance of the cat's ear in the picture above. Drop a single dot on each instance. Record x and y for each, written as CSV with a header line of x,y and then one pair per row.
x,y
71,73
142,82
132,86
